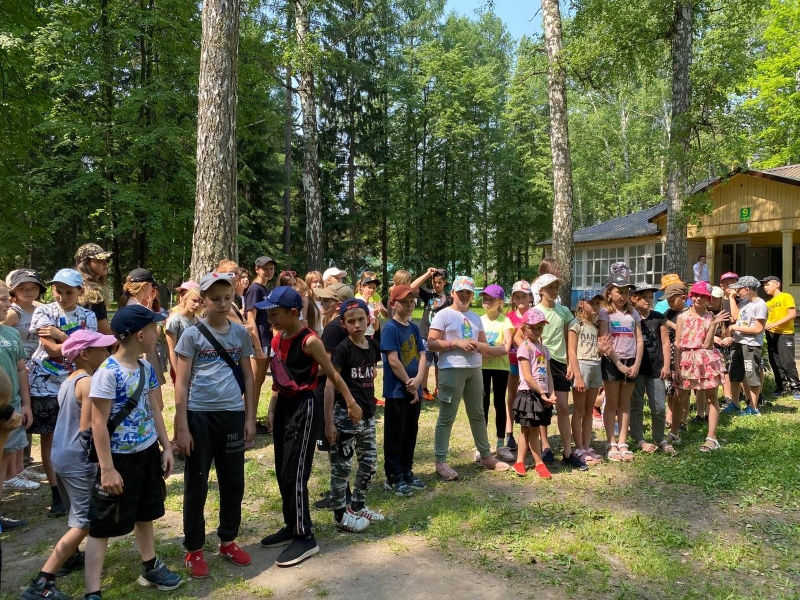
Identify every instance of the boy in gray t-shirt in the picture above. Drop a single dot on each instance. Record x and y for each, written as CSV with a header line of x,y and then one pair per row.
x,y
748,337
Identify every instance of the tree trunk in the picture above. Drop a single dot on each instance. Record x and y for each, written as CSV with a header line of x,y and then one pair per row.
x,y
216,214
559,146
679,139
287,164
310,173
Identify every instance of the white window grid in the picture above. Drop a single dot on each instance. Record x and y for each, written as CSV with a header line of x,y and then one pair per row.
x,y
591,266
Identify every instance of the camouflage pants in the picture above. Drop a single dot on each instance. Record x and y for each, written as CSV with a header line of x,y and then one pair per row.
x,y
353,439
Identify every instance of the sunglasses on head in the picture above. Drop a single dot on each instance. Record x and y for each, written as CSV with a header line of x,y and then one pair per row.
x,y
288,274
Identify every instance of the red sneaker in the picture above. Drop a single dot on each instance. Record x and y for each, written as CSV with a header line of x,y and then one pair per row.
x,y
543,471
426,395
197,563
235,554
380,402
519,469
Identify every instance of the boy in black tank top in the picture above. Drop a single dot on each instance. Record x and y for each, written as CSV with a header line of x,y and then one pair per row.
x,y
294,419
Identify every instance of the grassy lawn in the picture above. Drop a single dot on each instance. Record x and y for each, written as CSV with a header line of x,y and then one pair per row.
x,y
717,525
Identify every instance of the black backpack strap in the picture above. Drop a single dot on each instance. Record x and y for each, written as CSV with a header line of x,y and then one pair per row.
x,y
201,327
130,404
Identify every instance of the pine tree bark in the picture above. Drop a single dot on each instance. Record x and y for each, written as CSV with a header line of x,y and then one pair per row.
x,y
216,213
679,132
559,146
287,166
310,168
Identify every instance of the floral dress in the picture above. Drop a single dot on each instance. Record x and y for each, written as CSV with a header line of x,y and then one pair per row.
x,y
700,368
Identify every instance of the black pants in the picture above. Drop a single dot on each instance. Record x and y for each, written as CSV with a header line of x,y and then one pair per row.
x,y
495,380
400,427
780,350
218,437
297,425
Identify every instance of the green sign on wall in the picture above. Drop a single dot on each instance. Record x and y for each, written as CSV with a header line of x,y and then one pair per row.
x,y
744,214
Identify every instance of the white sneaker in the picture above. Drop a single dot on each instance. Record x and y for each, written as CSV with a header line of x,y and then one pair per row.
x,y
370,515
20,483
32,475
352,522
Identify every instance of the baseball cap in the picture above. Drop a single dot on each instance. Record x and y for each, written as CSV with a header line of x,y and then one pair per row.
x,y
547,279
521,286
374,280
263,261
588,295
771,278
494,291
674,289
670,279
21,276
352,304
700,288
643,287
91,251
69,277
209,279
533,316
338,291
440,273
728,275
187,285
333,272
130,319
619,281
748,281
620,268
401,291
83,339
141,276
716,292
462,283
281,297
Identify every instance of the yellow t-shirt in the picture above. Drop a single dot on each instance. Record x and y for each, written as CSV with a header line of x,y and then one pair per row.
x,y
779,306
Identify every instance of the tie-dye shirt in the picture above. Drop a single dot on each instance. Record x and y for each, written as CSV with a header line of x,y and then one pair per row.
x,y
48,373
114,382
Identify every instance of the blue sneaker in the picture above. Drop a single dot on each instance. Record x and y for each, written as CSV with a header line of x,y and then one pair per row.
x,y
730,407
547,457
511,443
778,393
399,488
796,395
749,412
414,482
160,577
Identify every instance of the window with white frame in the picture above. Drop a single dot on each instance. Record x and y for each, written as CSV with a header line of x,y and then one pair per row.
x,y
645,260
598,262
577,271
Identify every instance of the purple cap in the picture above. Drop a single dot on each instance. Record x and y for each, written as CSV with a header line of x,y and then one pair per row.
x,y
494,291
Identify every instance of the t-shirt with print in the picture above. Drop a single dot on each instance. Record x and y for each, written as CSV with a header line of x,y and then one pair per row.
x,y
30,340
258,293
117,383
779,306
406,340
178,323
653,356
46,373
212,385
495,331
433,303
357,368
587,340
372,303
753,311
456,325
516,321
538,356
622,327
11,352
554,335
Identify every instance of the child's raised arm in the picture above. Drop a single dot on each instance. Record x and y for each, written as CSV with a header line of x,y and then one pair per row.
x,y
313,346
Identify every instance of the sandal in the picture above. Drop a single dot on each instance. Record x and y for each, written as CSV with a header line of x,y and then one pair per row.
x,y
591,452
647,447
667,448
612,453
709,445
626,454
586,457
673,439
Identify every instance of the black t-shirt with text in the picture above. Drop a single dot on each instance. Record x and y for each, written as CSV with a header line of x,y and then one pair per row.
x,y
653,357
357,368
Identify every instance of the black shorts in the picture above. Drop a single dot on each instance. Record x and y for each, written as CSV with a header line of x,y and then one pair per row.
x,y
611,372
559,372
142,498
746,364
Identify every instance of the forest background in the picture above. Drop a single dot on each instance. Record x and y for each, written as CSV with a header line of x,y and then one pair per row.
x,y
433,128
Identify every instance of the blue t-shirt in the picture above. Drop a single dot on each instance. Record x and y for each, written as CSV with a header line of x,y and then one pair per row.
x,y
114,382
406,340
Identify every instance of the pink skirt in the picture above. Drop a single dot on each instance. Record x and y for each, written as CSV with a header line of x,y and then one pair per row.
x,y
701,369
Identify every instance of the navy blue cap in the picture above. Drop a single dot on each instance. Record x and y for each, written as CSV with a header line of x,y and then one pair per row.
x,y
281,297
351,304
130,319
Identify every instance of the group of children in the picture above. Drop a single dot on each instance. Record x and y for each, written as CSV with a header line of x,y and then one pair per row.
x,y
323,365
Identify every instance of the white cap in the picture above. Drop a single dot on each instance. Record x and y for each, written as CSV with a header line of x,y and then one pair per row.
x,y
333,272
716,292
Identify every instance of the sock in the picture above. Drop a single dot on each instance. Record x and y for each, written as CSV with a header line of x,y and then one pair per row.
x,y
338,514
228,545
46,576
500,443
149,565
90,594
356,506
